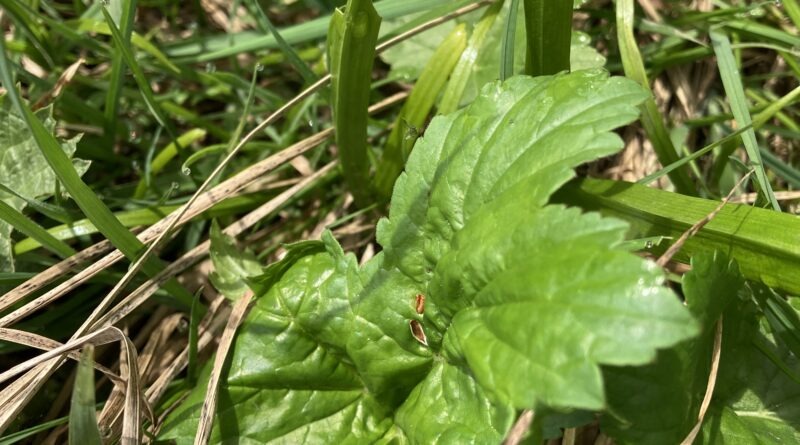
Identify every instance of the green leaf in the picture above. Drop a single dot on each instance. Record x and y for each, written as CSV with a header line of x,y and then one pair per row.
x,y
83,429
24,169
471,417
516,292
755,402
658,403
232,267
289,378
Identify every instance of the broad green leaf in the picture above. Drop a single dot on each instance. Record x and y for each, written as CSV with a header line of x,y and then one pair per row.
x,y
516,292
553,291
24,169
658,403
83,429
232,266
290,380
755,402
450,407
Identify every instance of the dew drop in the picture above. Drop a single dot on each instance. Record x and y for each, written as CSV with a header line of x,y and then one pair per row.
x,y
259,67
648,245
186,171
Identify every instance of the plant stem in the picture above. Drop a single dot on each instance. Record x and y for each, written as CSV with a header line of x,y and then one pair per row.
x,y
548,29
351,50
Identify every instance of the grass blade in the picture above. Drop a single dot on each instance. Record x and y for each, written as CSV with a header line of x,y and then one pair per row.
x,y
51,211
291,55
144,86
548,33
83,429
781,316
417,108
509,38
89,203
651,118
127,10
33,230
451,97
225,45
351,53
747,234
733,87
142,217
792,8
167,154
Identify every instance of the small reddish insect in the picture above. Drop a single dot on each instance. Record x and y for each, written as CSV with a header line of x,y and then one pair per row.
x,y
417,332
420,303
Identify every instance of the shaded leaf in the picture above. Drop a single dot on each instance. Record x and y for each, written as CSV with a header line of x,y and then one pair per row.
x,y
232,266
755,402
659,403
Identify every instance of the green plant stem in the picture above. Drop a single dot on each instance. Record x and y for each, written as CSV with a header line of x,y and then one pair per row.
x,y
351,52
548,33
509,39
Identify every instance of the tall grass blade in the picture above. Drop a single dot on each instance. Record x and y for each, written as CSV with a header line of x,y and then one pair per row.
x,y
351,53
167,154
651,118
792,8
733,87
781,316
224,45
548,35
124,19
29,227
416,109
291,55
51,211
509,38
123,46
83,429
